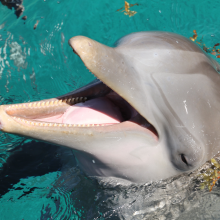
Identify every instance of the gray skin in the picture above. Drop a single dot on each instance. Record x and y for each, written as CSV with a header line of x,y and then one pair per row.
x,y
171,83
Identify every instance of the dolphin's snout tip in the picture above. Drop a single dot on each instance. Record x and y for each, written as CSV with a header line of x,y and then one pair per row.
x,y
1,124
84,47
70,41
1,115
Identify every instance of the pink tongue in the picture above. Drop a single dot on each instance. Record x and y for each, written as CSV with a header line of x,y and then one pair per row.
x,y
95,111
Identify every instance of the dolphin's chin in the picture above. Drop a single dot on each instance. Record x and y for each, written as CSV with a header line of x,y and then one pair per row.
x,y
69,111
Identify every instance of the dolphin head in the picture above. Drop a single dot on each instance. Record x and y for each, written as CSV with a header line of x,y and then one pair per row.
x,y
152,113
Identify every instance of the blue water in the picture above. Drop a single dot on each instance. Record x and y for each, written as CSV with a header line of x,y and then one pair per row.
x,y
42,181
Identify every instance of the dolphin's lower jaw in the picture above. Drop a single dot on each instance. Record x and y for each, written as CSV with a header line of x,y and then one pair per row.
x,y
97,145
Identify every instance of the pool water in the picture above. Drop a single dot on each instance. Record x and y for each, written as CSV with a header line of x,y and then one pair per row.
x,y
42,181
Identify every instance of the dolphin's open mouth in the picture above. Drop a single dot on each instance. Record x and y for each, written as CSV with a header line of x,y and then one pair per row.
x,y
99,104
104,108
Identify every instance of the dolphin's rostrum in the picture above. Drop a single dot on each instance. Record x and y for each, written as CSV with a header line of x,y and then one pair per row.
x,y
153,114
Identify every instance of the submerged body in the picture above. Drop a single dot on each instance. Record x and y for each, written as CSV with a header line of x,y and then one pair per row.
x,y
153,115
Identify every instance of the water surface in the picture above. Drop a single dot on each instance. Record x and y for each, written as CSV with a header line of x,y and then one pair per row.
x,y
42,181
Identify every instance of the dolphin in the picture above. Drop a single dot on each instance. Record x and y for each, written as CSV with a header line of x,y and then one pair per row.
x,y
153,112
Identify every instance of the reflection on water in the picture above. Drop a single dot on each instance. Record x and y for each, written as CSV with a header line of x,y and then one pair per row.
x,y
42,181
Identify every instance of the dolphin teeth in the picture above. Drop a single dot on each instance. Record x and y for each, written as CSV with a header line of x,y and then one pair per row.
x,y
38,104
55,125
47,103
30,105
51,103
42,104
60,125
34,104
56,102
41,124
81,99
76,100
60,101
85,98
64,125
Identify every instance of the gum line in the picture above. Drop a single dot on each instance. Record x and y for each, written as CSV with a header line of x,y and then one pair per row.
x,y
45,124
41,104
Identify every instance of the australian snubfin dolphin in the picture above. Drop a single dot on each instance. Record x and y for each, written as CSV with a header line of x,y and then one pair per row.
x,y
155,112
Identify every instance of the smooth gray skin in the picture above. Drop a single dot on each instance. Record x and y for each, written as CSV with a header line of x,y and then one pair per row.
x,y
171,82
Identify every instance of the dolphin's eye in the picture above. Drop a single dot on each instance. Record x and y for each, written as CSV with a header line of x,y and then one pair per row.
x,y
183,158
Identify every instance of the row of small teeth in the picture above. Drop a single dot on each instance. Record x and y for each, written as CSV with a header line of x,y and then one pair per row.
x,y
70,101
55,124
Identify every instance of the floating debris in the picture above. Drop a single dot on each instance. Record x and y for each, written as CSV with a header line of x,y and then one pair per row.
x,y
212,50
24,18
194,37
127,9
210,176
16,4
35,26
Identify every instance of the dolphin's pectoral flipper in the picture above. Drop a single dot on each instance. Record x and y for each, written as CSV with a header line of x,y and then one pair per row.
x,y
152,115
